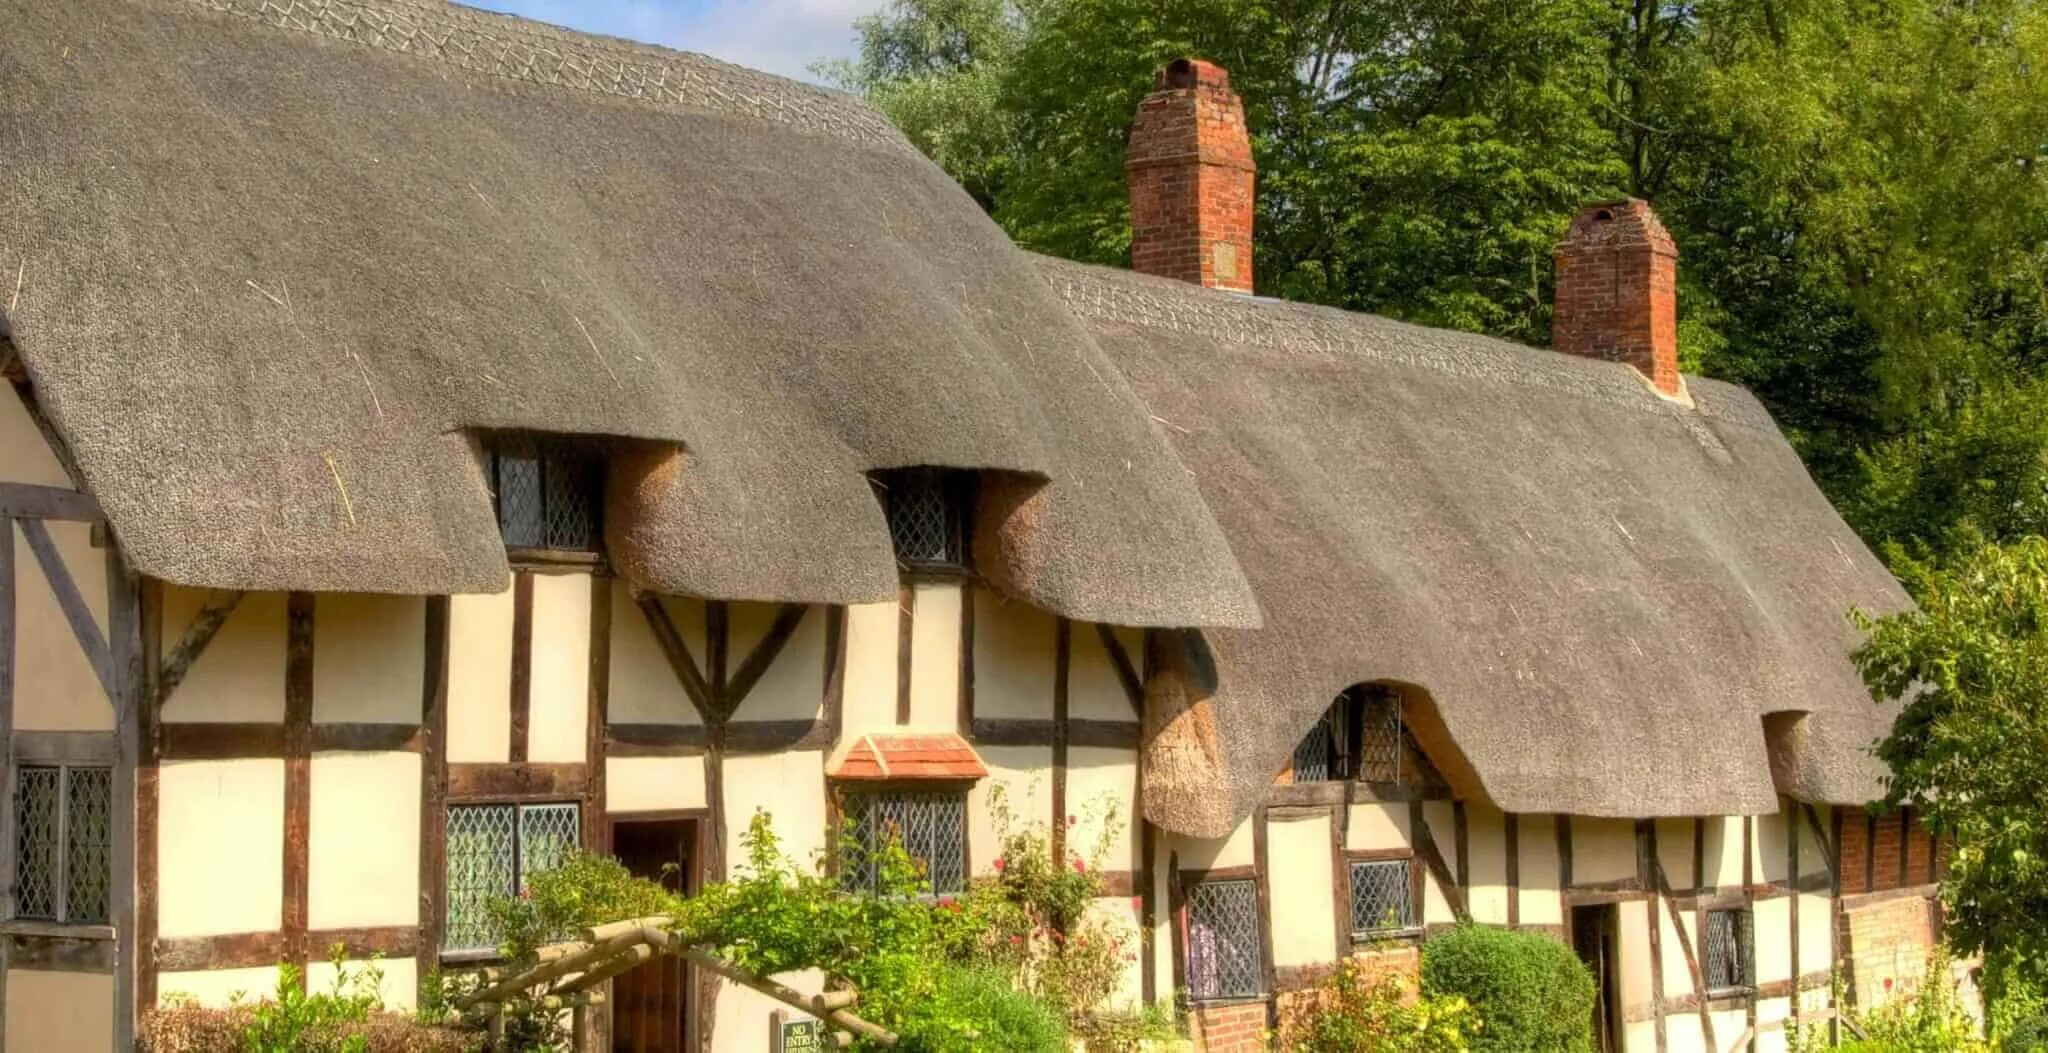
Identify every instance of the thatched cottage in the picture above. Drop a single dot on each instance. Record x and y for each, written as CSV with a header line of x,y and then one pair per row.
x,y
435,440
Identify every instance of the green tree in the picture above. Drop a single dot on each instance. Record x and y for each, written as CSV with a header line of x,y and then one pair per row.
x,y
1969,750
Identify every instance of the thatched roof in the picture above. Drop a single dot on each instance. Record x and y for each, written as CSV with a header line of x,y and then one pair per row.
x,y
283,261
1600,593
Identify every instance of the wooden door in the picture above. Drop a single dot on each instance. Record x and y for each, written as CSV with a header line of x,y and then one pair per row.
x,y
651,1004
1596,938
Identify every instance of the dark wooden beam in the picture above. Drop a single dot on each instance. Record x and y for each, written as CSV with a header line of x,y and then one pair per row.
x,y
220,741
1820,835
247,950
29,501
597,713
1262,869
1792,875
204,626
964,723
298,776
656,740
1433,858
775,736
787,618
1646,855
1063,653
718,655
433,787
365,737
9,604
678,655
84,627
522,666
1126,673
148,747
516,781
1685,947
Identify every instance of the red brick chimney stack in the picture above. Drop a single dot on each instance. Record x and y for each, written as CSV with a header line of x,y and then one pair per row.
x,y
1617,290
1189,169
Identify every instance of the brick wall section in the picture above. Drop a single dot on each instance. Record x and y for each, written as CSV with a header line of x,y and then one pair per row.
x,y
1190,174
1870,852
1885,943
1229,1028
1617,290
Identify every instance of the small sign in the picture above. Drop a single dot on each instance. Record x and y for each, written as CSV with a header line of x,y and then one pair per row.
x,y
802,1036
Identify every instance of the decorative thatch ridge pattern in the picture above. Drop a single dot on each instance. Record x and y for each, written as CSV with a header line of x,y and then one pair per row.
x,y
517,49
1602,602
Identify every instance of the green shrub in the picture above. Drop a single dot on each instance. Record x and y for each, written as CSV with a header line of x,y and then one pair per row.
x,y
1532,994
2028,1036
981,1009
1357,1007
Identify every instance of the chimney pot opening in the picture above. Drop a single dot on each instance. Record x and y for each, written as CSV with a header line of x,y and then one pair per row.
x,y
1180,73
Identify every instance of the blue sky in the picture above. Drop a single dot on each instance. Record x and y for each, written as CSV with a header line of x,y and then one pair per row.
x,y
780,36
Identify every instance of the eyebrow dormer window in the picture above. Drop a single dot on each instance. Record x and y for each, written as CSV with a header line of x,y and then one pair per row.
x,y
549,493
927,518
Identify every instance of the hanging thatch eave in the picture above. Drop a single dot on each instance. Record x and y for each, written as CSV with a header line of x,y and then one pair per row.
x,y
1601,593
285,260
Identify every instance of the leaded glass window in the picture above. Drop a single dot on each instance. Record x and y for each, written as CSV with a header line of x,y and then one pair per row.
x,y
932,826
1223,947
1381,898
63,819
548,494
925,510
1725,950
1359,737
492,850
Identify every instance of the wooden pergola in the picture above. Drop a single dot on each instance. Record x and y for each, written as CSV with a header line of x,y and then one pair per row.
x,y
569,976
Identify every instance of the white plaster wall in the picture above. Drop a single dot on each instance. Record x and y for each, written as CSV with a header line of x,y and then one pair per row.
x,y
1094,692
869,701
1723,856
1773,921
1602,850
363,840
54,685
1298,872
1674,851
559,706
369,657
1014,659
1235,850
793,688
25,456
1683,1031
1632,950
744,1014
643,689
1102,787
1816,934
1770,1011
1487,854
1122,917
1375,825
480,677
1443,827
1536,873
1728,1024
653,784
790,787
53,1012
1770,847
1024,776
935,656
1677,974
218,987
240,675
399,985
220,847
1162,919
1813,857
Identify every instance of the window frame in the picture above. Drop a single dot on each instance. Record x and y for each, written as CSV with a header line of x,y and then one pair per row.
x,y
519,806
61,874
1411,885
570,455
1343,727
844,794
1744,962
956,489
1247,884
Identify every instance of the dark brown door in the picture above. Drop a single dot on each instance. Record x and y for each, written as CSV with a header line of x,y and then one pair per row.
x,y
1595,936
651,1004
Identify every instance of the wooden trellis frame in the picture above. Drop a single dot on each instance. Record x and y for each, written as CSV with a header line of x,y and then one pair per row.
x,y
568,976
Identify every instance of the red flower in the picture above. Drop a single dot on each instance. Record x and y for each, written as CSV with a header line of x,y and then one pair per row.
x,y
1016,939
999,864
1079,867
1887,985
525,893
1070,820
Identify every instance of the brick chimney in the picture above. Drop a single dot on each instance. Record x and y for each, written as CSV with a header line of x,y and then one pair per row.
x,y
1617,290
1189,169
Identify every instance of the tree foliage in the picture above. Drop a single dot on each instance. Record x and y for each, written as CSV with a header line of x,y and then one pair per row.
x,y
1969,751
1856,185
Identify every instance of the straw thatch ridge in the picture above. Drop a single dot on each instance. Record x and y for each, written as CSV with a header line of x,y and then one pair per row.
x,y
1599,593
286,259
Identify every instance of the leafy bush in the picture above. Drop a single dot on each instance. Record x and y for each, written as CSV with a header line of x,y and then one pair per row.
x,y
1356,1008
975,1009
348,1018
2028,1036
1532,993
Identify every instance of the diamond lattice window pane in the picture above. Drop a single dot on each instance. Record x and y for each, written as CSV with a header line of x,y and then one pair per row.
x,y
480,858
36,793
1725,950
522,517
88,843
1312,754
572,493
547,834
1223,956
931,826
924,521
1380,738
1380,900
